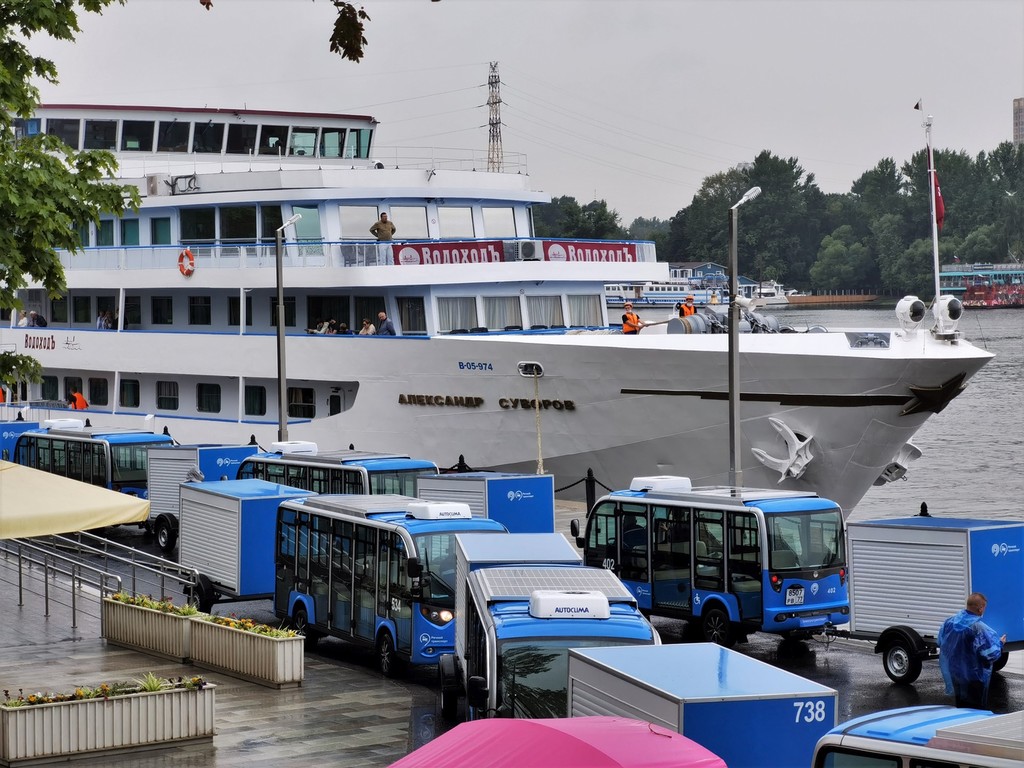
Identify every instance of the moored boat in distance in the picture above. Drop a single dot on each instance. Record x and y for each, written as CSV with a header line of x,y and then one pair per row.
x,y
985,286
506,352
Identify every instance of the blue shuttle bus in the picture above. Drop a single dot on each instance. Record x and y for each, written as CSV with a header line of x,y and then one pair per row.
x,y
733,560
300,465
376,570
115,459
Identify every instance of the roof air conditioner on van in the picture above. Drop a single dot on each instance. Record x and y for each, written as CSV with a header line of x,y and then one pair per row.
x,y
73,424
673,483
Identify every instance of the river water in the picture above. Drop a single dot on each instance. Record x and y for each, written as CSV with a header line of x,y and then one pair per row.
x,y
972,451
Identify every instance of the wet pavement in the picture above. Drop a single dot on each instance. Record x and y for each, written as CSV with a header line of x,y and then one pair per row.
x,y
347,714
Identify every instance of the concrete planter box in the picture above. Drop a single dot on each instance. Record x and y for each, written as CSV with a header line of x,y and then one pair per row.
x,y
276,662
51,733
144,629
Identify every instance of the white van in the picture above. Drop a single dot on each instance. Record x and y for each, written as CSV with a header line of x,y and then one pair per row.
x,y
937,736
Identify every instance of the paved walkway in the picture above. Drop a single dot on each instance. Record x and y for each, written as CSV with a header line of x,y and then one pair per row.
x,y
345,713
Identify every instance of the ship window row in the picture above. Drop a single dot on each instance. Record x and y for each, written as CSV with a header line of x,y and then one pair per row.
x,y
242,224
202,137
168,396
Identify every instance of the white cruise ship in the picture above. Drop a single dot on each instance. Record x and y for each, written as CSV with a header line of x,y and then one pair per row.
x,y
505,353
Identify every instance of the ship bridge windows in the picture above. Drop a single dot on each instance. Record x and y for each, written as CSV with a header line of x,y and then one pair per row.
x,y
332,142
160,230
303,142
105,232
208,138
357,142
410,222
499,222
585,309
130,232
100,134
167,395
545,310
172,136
99,392
198,225
500,311
81,307
273,139
241,139
356,221
65,129
238,224
456,312
137,135
455,221
289,311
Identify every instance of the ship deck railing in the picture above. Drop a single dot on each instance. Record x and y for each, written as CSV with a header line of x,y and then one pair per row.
x,y
332,254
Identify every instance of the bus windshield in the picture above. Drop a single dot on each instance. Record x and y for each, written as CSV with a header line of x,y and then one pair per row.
x,y
128,462
533,674
400,481
437,556
812,539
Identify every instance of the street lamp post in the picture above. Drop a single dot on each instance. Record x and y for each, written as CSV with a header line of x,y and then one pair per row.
x,y
282,379
735,468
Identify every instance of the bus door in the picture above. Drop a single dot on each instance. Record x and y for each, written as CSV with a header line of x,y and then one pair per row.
x,y
634,551
319,567
341,577
744,564
364,604
600,549
671,560
289,523
394,588
709,550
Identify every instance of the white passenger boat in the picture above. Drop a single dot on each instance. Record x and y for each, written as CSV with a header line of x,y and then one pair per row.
x,y
191,282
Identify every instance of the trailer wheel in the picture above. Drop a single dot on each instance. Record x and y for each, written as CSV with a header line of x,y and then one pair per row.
x,y
1001,661
166,536
717,628
901,664
300,623
387,657
449,699
203,593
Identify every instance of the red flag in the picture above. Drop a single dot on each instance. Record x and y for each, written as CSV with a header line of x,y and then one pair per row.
x,y
940,208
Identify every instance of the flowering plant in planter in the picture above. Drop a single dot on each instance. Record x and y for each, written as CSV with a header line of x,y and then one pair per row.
x,y
248,625
164,605
146,684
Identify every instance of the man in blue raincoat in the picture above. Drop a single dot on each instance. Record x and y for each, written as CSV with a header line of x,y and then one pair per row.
x,y
968,648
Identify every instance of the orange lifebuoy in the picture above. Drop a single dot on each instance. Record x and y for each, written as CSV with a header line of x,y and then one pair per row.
x,y
186,263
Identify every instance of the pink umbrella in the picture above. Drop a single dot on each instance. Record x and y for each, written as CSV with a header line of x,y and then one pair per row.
x,y
576,742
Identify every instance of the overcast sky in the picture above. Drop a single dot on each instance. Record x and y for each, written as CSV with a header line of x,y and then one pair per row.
x,y
630,101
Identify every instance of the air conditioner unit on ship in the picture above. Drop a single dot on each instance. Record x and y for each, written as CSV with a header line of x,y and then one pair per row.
x,y
530,250
158,184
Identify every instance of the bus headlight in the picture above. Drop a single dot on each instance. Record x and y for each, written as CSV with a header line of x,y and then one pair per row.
x,y
438,616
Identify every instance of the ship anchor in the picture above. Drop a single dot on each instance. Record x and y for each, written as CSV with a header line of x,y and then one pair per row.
x,y
798,452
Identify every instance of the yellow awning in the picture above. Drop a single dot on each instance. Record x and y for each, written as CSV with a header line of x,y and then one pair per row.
x,y
35,503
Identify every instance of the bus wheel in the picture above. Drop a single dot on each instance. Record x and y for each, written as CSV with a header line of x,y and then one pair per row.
x,y
1001,661
717,628
166,536
900,663
300,623
388,659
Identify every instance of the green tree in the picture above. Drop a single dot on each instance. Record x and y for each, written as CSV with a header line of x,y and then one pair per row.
x,y
46,189
843,263
564,217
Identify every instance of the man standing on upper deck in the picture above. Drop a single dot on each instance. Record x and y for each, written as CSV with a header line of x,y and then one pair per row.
x,y
383,229
384,325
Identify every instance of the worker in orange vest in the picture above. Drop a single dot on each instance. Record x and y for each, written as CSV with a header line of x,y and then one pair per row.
x,y
631,322
686,308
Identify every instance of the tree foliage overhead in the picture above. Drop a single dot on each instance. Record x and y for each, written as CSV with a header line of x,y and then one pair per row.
x,y
47,190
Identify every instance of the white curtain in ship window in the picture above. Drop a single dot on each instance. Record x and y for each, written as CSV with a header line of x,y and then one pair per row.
x,y
456,312
545,310
167,395
585,310
502,311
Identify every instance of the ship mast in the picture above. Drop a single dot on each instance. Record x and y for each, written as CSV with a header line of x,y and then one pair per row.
x,y
494,153
932,186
